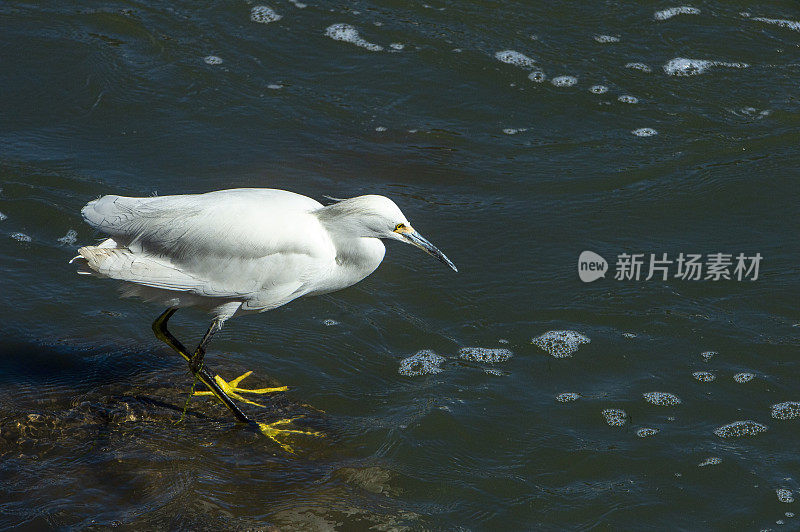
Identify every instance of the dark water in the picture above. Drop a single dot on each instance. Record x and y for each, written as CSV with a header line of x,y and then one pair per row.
x,y
513,178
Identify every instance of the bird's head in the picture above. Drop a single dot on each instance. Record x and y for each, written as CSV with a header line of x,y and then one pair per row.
x,y
379,217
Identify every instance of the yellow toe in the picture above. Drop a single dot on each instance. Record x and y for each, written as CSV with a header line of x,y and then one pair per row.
x,y
271,431
233,390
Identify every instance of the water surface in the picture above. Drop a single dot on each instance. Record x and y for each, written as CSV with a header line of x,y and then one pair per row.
x,y
514,135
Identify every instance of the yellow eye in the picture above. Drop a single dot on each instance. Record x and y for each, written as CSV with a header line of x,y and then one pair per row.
x,y
399,227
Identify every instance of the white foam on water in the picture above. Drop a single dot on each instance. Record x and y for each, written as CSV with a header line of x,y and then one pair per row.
x,y
512,57
329,322
639,66
789,514
538,76
628,335
397,46
567,397
347,33
680,66
605,39
738,429
495,372
299,5
213,60
560,344
3,217
784,495
274,86
670,12
20,237
502,341
598,89
783,23
711,460
741,378
488,355
645,132
785,410
661,398
513,131
708,355
646,432
615,417
704,376
424,362
380,129
70,238
264,15
626,98
564,81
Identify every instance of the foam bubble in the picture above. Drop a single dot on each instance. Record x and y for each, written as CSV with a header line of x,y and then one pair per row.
x,y
512,57
646,432
704,376
598,89
495,372
513,131
380,129
681,66
670,12
560,344
711,460
605,39
644,132
783,23
741,378
625,98
299,5
567,397
639,66
661,398
784,495
628,335
20,237
708,355
3,217
538,76
329,322
485,354
213,60
397,46
738,429
786,410
70,238
424,362
789,514
502,341
347,33
264,15
274,86
564,81
615,417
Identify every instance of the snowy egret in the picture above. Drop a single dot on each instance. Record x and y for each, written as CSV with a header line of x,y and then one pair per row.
x,y
239,251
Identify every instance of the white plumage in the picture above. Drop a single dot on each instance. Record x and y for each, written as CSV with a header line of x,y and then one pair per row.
x,y
243,249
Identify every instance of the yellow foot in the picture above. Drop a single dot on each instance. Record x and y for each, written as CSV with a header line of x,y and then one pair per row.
x,y
270,431
232,389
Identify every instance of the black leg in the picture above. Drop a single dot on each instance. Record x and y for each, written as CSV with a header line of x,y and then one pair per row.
x,y
195,362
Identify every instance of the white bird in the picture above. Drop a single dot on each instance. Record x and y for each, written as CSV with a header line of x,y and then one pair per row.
x,y
239,251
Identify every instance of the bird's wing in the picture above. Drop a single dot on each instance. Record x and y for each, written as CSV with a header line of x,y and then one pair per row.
x,y
229,243
242,223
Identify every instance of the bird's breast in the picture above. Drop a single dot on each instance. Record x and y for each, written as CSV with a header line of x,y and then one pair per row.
x,y
355,259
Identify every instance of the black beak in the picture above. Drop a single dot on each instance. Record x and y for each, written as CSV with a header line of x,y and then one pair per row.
x,y
412,237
